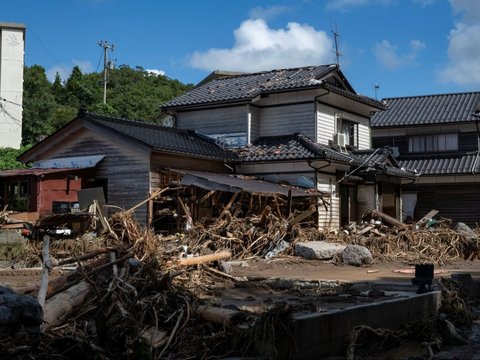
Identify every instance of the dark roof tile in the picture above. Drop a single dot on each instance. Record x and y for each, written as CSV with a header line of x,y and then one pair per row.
x,y
428,110
460,164
162,138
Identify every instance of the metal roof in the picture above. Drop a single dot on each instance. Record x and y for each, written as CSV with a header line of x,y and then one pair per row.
x,y
237,183
428,110
34,172
245,87
461,164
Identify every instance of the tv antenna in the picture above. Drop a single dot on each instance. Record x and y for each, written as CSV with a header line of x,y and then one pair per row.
x,y
336,48
376,86
107,64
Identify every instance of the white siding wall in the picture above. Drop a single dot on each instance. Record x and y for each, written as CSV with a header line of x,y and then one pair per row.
x,y
329,217
326,125
11,86
289,119
215,121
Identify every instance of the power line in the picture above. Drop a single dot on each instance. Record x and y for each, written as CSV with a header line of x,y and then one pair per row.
x,y
11,102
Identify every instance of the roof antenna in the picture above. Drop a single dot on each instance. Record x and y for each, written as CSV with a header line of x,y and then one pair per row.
x,y
376,86
336,48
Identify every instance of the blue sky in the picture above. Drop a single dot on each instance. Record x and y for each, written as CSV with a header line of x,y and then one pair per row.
x,y
407,47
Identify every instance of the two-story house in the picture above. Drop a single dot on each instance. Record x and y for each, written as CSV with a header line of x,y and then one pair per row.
x,y
306,126
438,136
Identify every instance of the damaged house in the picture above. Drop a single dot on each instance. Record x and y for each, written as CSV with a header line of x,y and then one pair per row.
x,y
303,126
438,136
285,138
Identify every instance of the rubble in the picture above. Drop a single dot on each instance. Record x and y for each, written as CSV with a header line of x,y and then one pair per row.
x,y
132,293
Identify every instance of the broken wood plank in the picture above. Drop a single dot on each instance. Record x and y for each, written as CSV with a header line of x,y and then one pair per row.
x,y
424,220
222,255
387,218
365,229
228,206
206,196
311,210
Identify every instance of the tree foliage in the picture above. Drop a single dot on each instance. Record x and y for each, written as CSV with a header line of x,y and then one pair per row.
x,y
8,158
131,92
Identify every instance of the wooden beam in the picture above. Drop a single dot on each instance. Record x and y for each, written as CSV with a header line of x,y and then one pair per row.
x,y
222,255
311,210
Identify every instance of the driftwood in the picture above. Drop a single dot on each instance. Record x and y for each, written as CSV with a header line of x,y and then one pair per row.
x,y
58,307
219,315
42,292
222,255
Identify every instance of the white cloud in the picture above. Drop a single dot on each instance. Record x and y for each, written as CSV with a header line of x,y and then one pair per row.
x,y
388,55
464,47
424,3
344,5
155,72
66,69
258,47
266,13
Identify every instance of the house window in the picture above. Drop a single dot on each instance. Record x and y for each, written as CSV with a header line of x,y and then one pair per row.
x,y
433,143
350,131
17,195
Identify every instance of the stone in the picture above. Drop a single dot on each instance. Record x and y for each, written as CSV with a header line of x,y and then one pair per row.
x,y
319,250
356,255
18,312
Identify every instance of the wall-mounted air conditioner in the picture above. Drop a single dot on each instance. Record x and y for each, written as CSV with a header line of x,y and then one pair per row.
x,y
339,139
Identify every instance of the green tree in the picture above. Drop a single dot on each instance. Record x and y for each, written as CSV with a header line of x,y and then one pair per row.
x,y
8,158
38,105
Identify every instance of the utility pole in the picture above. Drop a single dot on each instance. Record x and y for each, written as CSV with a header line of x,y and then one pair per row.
x,y
106,65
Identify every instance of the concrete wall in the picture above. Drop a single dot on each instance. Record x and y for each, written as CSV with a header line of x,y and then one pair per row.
x,y
12,47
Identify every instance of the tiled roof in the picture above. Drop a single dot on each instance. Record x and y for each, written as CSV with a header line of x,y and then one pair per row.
x,y
461,164
245,87
428,110
300,147
383,160
289,147
161,138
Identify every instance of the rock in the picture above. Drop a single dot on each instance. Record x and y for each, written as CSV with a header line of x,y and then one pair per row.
x,y
356,255
319,250
279,248
18,312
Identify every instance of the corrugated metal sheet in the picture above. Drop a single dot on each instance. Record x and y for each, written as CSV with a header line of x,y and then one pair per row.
x,y
237,183
428,110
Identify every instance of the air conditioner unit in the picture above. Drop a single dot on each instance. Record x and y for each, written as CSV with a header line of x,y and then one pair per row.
x,y
339,139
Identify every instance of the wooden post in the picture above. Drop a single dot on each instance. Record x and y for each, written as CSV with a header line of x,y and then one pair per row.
x,y
42,292
289,204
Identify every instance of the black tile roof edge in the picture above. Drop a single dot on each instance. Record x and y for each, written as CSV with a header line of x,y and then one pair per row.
x,y
431,95
229,155
328,69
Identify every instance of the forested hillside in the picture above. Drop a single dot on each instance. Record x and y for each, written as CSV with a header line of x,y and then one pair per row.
x,y
132,93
